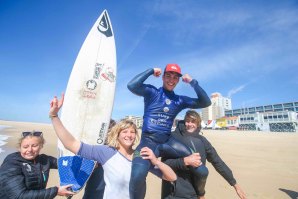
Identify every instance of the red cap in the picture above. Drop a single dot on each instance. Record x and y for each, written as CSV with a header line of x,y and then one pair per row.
x,y
173,68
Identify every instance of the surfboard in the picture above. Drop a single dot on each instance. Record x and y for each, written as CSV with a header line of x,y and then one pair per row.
x,y
90,91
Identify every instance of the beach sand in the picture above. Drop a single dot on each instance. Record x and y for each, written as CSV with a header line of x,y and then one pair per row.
x,y
265,164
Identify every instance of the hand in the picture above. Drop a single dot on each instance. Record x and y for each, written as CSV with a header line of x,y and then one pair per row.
x,y
193,160
157,72
148,154
239,191
186,78
64,190
55,105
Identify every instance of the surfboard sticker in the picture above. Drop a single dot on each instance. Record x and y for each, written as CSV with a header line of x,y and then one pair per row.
x,y
89,96
104,25
75,170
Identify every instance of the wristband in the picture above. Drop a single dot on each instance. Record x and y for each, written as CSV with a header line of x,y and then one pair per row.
x,y
52,116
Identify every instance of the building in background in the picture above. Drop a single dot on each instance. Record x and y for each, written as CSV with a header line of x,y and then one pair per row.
x,y
289,106
281,117
216,110
279,121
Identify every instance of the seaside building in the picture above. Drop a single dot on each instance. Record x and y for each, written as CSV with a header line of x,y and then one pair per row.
x,y
282,121
289,106
219,105
276,117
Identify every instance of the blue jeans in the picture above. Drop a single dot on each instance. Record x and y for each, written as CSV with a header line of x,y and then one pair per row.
x,y
162,147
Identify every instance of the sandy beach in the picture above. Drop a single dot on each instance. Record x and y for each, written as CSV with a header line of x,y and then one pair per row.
x,y
265,164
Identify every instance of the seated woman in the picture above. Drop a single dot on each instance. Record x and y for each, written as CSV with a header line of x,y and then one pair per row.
x,y
25,174
115,157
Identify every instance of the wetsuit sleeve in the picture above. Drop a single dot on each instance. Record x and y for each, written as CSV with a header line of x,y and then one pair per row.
x,y
218,163
202,101
175,164
136,85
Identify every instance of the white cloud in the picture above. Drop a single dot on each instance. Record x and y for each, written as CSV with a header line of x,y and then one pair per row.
x,y
236,90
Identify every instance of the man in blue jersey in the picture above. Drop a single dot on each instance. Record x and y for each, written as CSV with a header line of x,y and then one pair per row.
x,y
161,107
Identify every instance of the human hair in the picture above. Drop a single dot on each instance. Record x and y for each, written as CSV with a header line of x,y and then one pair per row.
x,y
112,123
112,138
192,114
41,139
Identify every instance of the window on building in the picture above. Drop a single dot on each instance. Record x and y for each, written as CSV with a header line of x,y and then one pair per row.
x,y
260,108
277,106
288,105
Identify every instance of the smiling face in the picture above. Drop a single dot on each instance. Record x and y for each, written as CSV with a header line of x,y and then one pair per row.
x,y
30,147
127,137
191,124
170,80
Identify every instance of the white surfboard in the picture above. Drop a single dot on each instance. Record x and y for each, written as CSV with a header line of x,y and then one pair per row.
x,y
89,96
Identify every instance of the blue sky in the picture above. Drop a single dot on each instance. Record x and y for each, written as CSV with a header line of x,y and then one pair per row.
x,y
246,50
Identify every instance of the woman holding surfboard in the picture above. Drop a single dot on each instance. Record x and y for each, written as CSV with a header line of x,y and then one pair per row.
x,y
161,107
115,157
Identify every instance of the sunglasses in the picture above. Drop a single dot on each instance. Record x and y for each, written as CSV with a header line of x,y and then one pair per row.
x,y
34,133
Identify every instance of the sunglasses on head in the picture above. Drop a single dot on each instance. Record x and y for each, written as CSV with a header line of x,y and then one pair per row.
x,y
34,133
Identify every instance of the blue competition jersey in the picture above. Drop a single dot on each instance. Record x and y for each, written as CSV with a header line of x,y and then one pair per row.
x,y
162,106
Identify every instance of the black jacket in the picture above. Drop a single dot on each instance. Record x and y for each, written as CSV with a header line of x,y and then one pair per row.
x,y
21,178
197,143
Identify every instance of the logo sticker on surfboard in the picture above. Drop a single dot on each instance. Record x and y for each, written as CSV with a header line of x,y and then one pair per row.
x,y
104,73
100,139
91,84
108,74
104,25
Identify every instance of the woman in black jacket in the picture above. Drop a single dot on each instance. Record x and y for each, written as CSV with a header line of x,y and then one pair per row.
x,y
188,132
25,174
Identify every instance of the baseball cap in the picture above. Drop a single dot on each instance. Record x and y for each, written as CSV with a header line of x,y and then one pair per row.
x,y
173,68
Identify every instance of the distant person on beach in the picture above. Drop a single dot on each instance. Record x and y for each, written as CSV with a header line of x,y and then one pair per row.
x,y
95,186
24,174
188,132
115,157
161,107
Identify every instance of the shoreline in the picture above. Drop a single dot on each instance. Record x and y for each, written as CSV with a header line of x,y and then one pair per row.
x,y
263,163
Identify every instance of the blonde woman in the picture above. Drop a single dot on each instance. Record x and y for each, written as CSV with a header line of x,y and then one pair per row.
x,y
115,157
24,174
